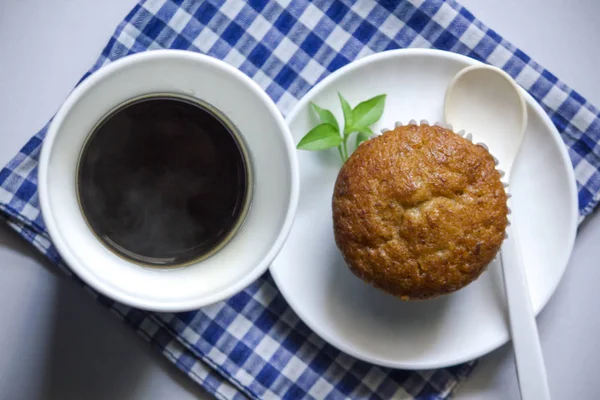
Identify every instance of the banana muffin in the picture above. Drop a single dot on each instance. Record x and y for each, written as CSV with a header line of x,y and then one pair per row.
x,y
419,211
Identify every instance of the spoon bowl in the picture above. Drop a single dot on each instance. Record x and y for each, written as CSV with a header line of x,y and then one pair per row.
x,y
485,100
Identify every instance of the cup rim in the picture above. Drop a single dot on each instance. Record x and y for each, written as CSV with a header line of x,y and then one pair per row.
x,y
61,241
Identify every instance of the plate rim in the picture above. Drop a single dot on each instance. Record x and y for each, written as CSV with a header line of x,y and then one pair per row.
x,y
574,211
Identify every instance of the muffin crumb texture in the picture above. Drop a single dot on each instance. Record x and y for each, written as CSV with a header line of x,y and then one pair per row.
x,y
419,211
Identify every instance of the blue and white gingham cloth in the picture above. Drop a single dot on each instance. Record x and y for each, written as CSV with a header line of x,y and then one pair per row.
x,y
253,345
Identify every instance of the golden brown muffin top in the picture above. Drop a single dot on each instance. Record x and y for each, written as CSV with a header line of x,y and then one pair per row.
x,y
419,211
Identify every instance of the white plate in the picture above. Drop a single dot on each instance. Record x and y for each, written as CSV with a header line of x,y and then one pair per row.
x,y
371,325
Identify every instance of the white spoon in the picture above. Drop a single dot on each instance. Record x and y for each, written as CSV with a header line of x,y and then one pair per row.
x,y
486,102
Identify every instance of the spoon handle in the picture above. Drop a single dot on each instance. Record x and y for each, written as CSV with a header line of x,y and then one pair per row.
x,y
531,371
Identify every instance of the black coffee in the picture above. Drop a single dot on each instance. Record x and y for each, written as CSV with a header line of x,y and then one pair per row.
x,y
163,181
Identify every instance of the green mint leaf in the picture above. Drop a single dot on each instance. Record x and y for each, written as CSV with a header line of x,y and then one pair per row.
x,y
363,136
321,137
348,121
325,116
368,112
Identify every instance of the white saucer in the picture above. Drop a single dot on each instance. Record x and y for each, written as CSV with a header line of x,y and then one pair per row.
x,y
371,325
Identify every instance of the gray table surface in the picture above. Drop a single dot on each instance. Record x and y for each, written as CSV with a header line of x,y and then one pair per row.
x,y
57,343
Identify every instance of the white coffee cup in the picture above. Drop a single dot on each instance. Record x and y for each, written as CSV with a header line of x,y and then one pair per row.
x,y
272,157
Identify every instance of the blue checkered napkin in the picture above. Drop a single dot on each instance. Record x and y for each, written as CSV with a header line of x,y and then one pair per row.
x,y
253,345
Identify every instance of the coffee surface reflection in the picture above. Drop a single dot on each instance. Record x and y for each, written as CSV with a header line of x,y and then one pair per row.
x,y
164,181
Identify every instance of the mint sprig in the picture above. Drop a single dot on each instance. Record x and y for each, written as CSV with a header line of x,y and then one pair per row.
x,y
321,137
357,120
